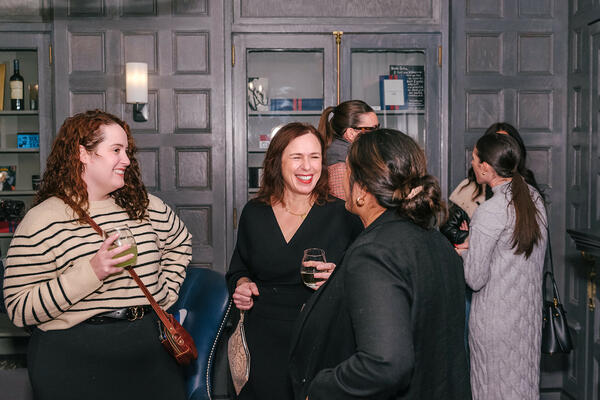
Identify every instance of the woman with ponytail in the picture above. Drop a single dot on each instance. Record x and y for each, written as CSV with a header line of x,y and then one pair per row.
x,y
348,120
389,322
503,265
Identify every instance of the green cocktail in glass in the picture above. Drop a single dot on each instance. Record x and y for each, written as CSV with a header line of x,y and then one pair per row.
x,y
125,237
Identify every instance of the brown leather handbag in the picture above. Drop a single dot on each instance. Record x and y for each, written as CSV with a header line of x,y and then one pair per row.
x,y
173,336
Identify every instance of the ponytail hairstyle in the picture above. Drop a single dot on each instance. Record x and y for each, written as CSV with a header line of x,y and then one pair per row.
x,y
526,173
392,167
345,115
503,154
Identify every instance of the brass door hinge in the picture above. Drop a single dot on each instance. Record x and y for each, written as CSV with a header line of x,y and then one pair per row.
x,y
234,218
50,55
440,56
232,55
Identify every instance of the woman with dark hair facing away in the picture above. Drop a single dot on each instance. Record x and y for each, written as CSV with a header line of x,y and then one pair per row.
x,y
469,194
503,265
94,335
389,322
350,119
292,212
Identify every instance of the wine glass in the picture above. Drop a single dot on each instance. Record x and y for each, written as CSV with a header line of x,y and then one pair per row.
x,y
312,257
125,237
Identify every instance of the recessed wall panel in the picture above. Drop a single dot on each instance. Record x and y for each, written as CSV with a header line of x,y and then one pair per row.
x,y
483,109
535,8
535,110
484,53
86,52
191,52
20,8
141,47
85,8
336,8
539,161
576,167
576,50
138,8
535,53
197,219
149,165
193,168
484,8
190,7
192,111
84,101
576,103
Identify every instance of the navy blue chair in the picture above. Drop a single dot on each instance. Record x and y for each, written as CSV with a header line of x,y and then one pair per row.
x,y
205,297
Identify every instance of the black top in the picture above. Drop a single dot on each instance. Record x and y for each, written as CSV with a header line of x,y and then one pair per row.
x,y
262,254
389,322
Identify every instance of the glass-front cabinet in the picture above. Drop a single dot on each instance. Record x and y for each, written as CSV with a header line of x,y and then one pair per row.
x,y
277,79
284,78
25,134
399,76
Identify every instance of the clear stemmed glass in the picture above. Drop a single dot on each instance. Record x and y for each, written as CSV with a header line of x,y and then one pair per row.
x,y
312,257
125,237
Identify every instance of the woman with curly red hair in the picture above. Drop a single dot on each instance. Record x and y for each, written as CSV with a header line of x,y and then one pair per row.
x,y
93,333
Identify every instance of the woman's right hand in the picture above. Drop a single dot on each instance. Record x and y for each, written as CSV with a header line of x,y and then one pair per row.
x,y
242,296
103,262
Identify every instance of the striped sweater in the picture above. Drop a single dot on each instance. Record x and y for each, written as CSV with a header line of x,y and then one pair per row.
x,y
49,281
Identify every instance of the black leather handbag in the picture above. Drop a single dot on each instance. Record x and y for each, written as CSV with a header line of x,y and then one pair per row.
x,y
451,229
556,337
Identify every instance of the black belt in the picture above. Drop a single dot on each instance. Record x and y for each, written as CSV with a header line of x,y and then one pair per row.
x,y
128,313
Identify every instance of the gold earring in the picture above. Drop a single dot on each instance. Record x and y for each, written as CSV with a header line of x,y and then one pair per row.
x,y
360,201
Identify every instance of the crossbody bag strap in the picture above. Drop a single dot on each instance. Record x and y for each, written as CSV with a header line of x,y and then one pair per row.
x,y
550,271
159,311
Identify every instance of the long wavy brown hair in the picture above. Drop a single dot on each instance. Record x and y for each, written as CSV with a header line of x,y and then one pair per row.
x,y
63,175
272,184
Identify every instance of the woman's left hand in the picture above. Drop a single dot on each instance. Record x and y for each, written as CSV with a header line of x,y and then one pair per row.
x,y
462,247
327,269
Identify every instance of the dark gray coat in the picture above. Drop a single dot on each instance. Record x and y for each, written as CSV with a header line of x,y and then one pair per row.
x,y
389,323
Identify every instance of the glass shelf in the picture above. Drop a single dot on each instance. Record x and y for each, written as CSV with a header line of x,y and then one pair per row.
x,y
20,150
283,113
18,113
6,193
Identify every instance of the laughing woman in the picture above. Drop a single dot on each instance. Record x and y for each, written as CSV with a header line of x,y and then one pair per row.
x,y
94,336
292,212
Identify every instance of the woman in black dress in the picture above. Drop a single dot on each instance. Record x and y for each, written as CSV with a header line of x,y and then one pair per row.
x,y
292,212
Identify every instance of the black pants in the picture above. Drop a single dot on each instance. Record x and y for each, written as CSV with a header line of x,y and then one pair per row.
x,y
114,360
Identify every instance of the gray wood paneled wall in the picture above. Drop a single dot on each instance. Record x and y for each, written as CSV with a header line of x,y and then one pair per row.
x,y
507,62
181,146
582,209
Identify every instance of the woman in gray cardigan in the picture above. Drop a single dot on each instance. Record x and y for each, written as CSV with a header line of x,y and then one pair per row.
x,y
503,265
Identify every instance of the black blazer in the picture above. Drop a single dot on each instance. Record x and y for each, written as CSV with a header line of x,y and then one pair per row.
x,y
389,323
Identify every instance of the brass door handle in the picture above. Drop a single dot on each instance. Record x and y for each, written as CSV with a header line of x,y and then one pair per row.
x,y
591,290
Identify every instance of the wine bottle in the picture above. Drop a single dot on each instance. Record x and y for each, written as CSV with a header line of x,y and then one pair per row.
x,y
16,89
